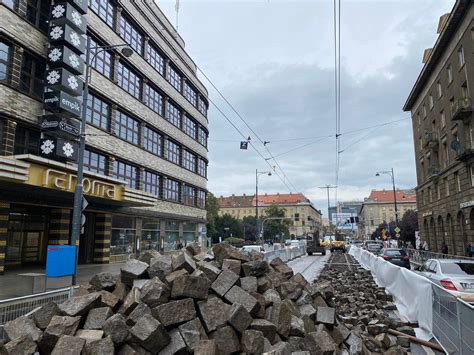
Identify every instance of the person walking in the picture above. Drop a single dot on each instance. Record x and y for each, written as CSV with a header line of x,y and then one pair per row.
x,y
444,248
470,250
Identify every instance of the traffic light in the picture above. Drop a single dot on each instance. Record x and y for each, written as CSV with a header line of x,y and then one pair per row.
x,y
297,217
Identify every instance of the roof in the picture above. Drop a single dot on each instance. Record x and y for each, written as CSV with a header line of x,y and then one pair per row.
x,y
235,201
457,14
386,196
263,199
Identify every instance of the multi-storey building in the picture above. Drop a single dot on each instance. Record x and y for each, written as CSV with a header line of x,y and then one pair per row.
x,y
146,137
440,103
379,207
308,221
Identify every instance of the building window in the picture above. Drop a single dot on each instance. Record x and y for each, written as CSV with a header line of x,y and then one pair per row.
x,y
201,199
126,127
153,99
128,80
172,190
419,118
461,56
424,111
190,94
450,74
446,186
471,174
123,238
202,107
172,152
152,141
32,72
439,89
202,137
457,178
37,13
438,191
151,182
189,195
131,35
431,102
155,59
202,168
189,161
95,162
443,119
98,112
446,155
26,141
173,77
451,106
10,3
102,62
189,127
5,57
464,91
173,114
104,9
125,172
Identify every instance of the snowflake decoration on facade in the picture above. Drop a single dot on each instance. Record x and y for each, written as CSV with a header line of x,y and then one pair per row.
x,y
58,11
76,18
47,146
74,37
56,32
68,149
53,77
72,81
55,54
74,60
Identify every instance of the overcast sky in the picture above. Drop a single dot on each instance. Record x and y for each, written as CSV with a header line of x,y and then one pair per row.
x,y
274,61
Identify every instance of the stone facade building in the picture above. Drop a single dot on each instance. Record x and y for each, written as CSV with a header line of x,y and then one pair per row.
x,y
309,221
379,207
441,108
146,138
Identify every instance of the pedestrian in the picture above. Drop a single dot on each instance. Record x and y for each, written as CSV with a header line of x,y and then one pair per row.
x,y
470,250
444,248
409,246
425,246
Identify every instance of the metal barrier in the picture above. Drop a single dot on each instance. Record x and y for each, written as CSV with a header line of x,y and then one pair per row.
x,y
285,254
453,322
420,256
13,308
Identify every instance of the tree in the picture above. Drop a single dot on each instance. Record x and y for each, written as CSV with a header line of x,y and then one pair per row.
x,y
212,209
249,226
276,227
233,224
408,226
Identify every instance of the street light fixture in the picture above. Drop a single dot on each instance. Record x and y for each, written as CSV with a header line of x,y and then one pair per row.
x,y
257,174
392,175
79,190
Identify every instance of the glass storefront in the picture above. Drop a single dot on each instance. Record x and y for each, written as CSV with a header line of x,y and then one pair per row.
x,y
189,233
150,235
123,235
171,235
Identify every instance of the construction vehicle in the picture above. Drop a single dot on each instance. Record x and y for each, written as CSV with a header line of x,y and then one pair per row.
x,y
340,242
313,245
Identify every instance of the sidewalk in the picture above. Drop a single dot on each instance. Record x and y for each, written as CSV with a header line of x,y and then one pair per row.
x,y
12,285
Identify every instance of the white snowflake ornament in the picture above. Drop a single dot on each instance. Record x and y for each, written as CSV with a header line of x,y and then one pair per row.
x,y
68,150
76,18
55,55
74,60
47,146
53,77
72,81
58,11
74,37
56,32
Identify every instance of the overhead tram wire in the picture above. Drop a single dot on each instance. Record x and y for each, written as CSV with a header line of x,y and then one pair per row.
x,y
249,127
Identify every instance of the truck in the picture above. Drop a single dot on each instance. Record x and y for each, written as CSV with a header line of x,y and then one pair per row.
x,y
339,243
313,245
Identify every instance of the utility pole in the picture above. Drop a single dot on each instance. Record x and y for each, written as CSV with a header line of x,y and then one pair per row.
x,y
327,187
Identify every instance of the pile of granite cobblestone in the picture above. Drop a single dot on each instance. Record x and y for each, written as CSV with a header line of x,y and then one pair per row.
x,y
220,303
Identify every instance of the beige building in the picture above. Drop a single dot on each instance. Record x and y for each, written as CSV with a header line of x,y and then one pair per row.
x,y
440,103
379,207
309,221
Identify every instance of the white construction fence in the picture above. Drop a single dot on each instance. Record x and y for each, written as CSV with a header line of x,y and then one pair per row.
x,y
285,254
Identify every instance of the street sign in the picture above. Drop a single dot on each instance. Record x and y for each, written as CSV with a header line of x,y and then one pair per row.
x,y
397,230
61,126
84,203
61,102
60,79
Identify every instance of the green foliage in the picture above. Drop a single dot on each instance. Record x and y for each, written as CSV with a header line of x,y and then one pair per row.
x,y
233,224
249,225
212,208
408,226
275,228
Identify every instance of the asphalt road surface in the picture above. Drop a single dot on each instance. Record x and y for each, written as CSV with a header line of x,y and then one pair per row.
x,y
309,266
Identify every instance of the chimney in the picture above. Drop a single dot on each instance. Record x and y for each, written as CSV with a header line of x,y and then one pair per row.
x,y
443,20
244,195
426,55
233,195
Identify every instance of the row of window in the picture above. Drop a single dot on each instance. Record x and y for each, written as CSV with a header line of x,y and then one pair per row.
x,y
427,195
27,142
99,114
133,36
166,188
132,82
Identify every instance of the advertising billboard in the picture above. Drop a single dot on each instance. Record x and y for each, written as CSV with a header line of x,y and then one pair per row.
x,y
342,221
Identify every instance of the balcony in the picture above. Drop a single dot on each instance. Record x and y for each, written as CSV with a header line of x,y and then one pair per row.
x,y
464,153
462,108
433,171
431,140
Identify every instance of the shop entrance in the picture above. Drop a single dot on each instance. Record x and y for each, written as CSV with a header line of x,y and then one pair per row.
x,y
86,242
26,241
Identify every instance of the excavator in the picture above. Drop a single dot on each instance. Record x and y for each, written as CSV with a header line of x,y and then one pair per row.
x,y
313,245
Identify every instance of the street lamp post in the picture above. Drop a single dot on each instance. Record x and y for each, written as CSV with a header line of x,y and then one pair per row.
x,y
392,174
257,174
79,189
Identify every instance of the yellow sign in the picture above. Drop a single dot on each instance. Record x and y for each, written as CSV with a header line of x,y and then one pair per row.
x,y
397,230
60,180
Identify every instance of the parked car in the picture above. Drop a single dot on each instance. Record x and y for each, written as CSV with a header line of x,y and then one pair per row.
x,y
354,242
374,248
454,275
249,248
396,256
295,244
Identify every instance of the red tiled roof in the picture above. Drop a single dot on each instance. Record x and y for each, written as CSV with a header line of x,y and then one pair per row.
x,y
386,196
235,201
263,199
